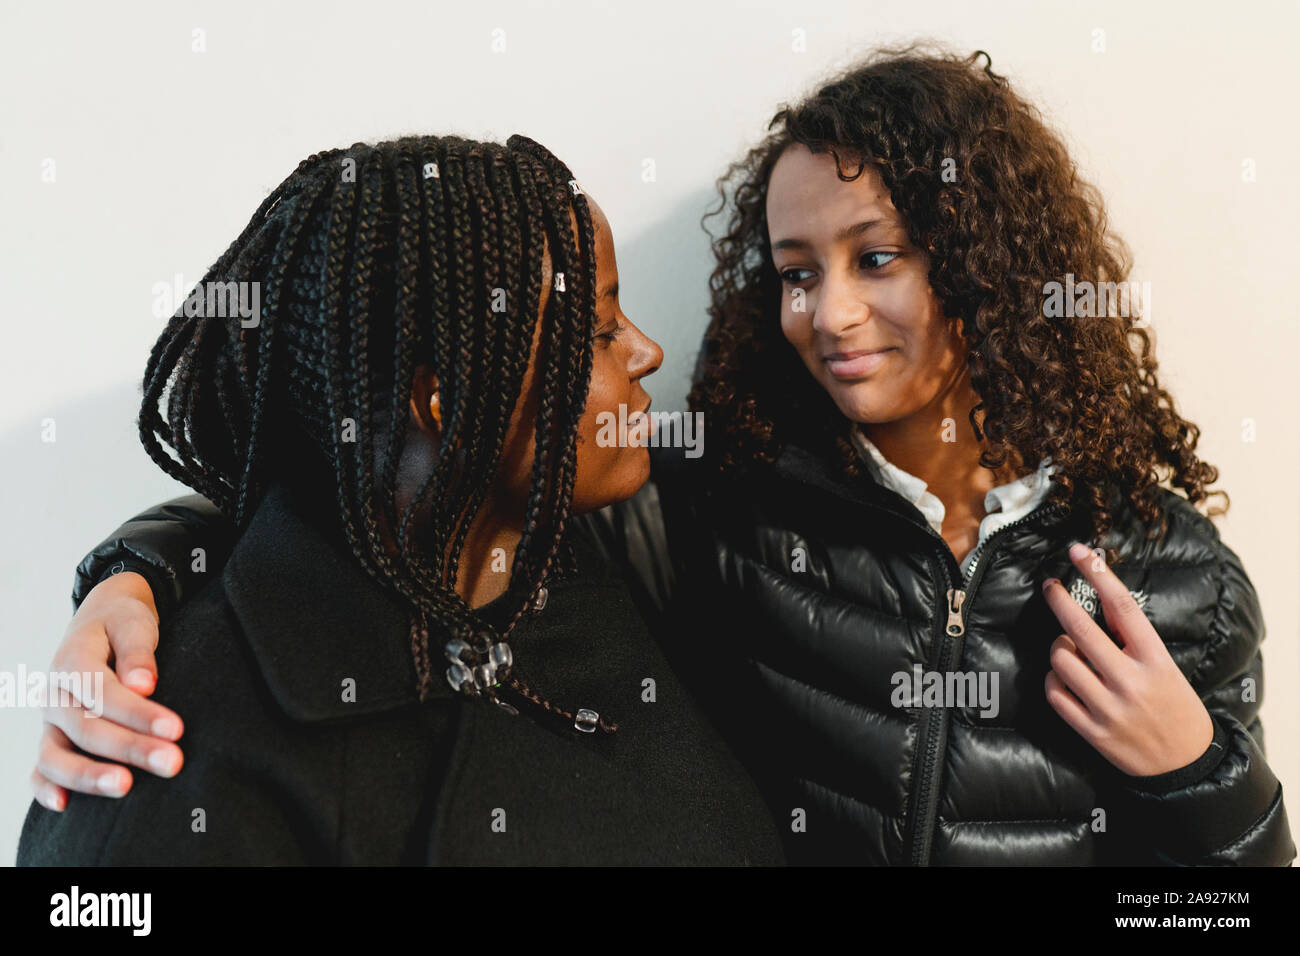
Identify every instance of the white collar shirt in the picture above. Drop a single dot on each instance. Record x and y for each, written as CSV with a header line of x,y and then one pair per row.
x,y
1003,505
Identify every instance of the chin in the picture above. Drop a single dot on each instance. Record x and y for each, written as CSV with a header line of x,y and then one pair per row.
x,y
618,483
856,401
637,472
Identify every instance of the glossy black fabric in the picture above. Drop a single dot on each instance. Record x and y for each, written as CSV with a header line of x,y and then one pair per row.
x,y
800,669
285,769
797,666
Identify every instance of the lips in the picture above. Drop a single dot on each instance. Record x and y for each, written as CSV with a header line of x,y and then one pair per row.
x,y
635,420
858,363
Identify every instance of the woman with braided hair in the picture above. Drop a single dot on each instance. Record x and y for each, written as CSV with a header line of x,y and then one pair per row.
x,y
412,653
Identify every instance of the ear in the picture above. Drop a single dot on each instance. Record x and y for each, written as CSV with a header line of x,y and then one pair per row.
x,y
426,403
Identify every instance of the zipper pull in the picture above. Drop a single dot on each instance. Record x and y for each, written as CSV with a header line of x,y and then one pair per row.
x,y
955,626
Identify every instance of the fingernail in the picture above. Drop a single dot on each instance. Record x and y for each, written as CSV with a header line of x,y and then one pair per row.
x,y
111,782
163,762
168,727
1078,550
140,677
1049,582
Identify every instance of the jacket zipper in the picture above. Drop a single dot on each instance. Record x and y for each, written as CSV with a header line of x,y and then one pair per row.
x,y
928,768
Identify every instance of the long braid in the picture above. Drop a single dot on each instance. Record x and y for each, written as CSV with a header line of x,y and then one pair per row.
x,y
410,289
437,254
339,245
490,404
558,305
571,347
360,318
434,272
462,359
570,378
285,252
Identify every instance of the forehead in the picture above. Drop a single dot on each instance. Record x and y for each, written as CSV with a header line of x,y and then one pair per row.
x,y
605,264
604,237
804,188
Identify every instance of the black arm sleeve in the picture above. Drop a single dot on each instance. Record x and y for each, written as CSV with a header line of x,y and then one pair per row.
x,y
661,539
176,546
1226,807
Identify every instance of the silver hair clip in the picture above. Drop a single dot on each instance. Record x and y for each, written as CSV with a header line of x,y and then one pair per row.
x,y
431,171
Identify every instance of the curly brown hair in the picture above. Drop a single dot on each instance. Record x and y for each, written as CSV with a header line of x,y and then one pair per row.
x,y
1018,216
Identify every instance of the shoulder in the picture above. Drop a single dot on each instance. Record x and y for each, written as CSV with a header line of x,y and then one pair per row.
x,y
215,810
1189,541
1193,586
203,657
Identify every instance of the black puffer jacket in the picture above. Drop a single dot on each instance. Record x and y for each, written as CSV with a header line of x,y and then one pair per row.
x,y
793,603
800,598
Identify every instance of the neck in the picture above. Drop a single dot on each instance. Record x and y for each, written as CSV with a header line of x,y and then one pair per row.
x,y
937,444
489,551
488,556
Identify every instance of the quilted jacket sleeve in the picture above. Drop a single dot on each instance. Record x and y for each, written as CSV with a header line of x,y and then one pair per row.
x,y
661,541
1232,812
160,544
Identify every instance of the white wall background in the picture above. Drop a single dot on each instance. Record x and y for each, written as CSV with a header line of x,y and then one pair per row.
x,y
161,153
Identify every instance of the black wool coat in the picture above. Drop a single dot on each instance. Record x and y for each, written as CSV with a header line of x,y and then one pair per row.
x,y
283,766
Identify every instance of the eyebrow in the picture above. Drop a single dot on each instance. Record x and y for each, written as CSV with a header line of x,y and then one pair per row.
x,y
844,235
611,292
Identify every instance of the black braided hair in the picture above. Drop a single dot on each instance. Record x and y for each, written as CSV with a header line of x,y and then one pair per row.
x,y
370,262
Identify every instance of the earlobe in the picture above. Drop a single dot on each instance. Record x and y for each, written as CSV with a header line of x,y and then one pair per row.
x,y
426,402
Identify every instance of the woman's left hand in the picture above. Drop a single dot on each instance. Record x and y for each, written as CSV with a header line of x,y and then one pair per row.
x,y
1132,704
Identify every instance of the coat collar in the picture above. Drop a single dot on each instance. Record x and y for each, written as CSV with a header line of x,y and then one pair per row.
x,y
315,619
798,464
1003,504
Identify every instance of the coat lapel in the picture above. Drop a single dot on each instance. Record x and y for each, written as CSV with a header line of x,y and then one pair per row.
x,y
330,641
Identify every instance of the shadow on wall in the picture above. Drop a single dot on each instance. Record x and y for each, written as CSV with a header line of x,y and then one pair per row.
x,y
664,277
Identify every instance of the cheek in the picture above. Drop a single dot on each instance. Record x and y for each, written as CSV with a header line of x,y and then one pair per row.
x,y
605,391
608,470
797,329
604,396
915,320
936,345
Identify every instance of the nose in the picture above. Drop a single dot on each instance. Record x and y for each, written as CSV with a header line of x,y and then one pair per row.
x,y
840,307
646,355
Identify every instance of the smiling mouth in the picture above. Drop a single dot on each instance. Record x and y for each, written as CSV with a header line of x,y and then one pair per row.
x,y
643,419
856,364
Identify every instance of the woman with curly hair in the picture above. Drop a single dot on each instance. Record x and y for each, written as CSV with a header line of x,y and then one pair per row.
x,y
877,574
